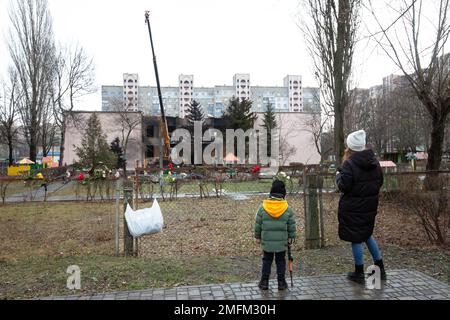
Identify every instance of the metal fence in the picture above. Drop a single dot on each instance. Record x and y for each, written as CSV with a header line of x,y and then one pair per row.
x,y
212,211
214,214
3,168
208,216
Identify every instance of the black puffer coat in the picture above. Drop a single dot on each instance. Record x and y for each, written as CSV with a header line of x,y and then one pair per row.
x,y
360,181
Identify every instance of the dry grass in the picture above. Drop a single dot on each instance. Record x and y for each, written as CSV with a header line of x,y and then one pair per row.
x,y
205,241
55,229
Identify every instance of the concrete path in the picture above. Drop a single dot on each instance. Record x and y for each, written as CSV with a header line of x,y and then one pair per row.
x,y
401,285
39,194
19,198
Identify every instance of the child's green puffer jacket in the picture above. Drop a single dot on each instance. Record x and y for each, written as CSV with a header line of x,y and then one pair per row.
x,y
275,224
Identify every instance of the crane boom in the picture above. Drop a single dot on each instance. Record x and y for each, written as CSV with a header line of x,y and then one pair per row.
x,y
163,119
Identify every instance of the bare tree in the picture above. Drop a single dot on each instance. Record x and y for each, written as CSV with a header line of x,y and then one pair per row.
x,y
287,150
288,130
366,110
406,123
318,124
327,143
330,31
9,113
422,60
378,124
357,113
48,127
447,141
73,78
391,119
32,48
127,122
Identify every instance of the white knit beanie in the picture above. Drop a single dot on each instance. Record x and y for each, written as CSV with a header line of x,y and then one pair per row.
x,y
356,141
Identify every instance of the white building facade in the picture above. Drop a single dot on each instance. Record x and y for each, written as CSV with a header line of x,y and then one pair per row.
x,y
131,92
186,94
295,93
242,84
292,97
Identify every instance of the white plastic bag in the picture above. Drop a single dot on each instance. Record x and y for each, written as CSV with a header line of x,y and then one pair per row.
x,y
145,221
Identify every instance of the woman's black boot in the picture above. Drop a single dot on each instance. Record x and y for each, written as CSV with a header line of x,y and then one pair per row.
x,y
358,275
380,264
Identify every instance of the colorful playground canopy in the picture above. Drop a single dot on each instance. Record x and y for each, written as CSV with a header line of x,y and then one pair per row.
x,y
25,161
230,158
47,160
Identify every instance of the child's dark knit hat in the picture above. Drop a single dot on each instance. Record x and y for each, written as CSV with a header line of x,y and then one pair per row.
x,y
278,189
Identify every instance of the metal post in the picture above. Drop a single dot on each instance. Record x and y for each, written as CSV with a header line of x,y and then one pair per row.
x,y
136,202
136,186
312,232
117,216
322,221
305,193
127,237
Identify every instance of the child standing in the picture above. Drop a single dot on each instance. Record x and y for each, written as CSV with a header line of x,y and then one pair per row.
x,y
274,229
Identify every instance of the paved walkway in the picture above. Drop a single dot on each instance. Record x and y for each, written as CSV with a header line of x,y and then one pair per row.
x,y
401,285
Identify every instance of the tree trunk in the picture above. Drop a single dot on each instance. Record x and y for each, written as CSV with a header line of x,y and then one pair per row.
x,y
437,141
312,230
10,149
435,152
61,147
340,83
339,137
124,149
33,129
33,146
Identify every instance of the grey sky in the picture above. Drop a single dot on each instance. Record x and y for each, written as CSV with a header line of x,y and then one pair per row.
x,y
212,39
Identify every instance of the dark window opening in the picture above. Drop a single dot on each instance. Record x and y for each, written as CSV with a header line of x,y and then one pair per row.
x,y
150,132
150,153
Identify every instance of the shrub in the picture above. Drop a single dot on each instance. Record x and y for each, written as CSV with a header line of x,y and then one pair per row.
x,y
432,208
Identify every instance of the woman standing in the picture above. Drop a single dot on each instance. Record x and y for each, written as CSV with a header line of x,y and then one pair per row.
x,y
359,180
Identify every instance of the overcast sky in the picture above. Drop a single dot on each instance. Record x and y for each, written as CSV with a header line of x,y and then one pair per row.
x,y
211,39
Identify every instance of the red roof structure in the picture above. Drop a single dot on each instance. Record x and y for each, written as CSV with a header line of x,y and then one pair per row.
x,y
388,164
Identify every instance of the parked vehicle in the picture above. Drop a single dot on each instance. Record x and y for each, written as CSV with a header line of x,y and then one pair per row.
x,y
267,173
